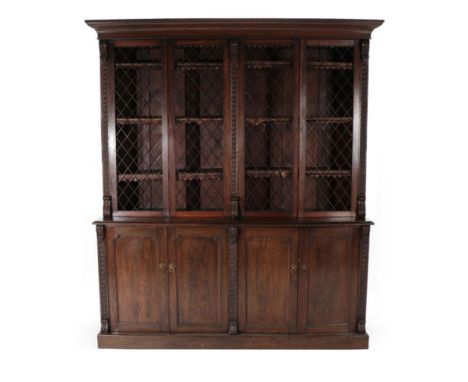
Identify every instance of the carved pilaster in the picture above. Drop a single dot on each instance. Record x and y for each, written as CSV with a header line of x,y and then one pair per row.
x,y
365,49
234,70
235,206
363,269
361,201
104,56
103,286
233,246
107,207
361,207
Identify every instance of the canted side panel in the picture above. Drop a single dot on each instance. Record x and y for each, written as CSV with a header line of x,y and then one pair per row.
x,y
139,295
267,277
328,281
198,272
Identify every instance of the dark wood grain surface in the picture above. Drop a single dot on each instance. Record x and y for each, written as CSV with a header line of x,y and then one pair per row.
x,y
234,168
268,280
198,280
138,293
327,280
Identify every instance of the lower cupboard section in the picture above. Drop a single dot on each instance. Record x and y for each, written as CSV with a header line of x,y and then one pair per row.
x,y
201,281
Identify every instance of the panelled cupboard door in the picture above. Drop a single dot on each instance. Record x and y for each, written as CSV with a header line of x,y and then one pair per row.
x,y
138,296
328,280
198,280
268,280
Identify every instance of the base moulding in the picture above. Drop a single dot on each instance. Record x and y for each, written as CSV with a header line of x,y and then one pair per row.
x,y
240,341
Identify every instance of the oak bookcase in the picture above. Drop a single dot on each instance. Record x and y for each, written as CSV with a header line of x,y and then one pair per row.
x,y
234,166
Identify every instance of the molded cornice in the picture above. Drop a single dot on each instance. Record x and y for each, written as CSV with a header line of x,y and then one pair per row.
x,y
221,28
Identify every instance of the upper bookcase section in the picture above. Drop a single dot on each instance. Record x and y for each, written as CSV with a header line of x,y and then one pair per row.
x,y
234,28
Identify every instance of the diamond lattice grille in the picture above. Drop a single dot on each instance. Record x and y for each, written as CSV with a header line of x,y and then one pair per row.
x,y
268,128
329,138
199,129
138,95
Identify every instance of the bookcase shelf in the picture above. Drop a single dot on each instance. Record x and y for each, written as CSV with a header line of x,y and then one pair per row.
x,y
138,65
261,120
199,65
268,64
327,173
202,174
198,120
154,175
330,120
268,172
330,65
137,120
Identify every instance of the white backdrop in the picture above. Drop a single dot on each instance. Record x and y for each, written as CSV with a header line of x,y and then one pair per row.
x,y
50,191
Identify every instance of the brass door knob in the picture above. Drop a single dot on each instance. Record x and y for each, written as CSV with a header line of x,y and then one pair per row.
x,y
171,267
162,267
293,268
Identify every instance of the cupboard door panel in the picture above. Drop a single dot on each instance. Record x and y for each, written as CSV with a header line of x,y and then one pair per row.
x,y
198,266
139,297
328,280
268,280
